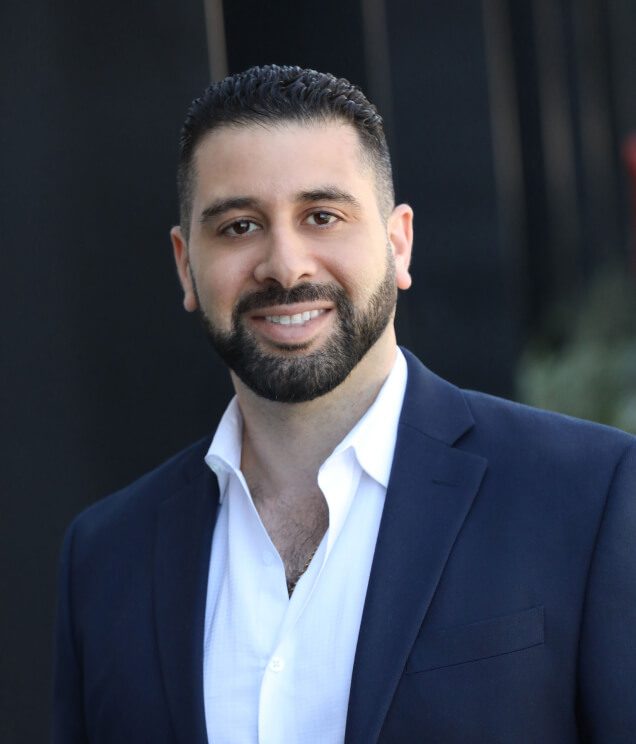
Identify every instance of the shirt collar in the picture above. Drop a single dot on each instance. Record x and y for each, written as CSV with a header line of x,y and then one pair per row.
x,y
372,438
224,455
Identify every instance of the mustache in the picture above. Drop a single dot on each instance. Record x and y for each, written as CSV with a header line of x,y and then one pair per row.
x,y
277,295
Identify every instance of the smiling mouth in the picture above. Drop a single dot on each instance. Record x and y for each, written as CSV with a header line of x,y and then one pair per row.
x,y
296,319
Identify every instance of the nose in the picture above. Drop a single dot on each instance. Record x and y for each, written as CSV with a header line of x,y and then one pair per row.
x,y
287,259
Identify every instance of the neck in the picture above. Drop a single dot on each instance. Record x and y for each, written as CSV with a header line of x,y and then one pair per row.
x,y
286,443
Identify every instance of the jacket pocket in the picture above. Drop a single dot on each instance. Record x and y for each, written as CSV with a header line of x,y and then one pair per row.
x,y
500,635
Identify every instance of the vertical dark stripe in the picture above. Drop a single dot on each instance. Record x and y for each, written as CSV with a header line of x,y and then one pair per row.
x,y
599,150
378,59
379,89
215,33
507,151
558,144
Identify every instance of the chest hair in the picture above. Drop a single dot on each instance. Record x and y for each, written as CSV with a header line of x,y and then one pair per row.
x,y
296,523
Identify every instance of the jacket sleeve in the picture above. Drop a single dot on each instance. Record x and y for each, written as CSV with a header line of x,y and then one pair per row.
x,y
68,710
607,660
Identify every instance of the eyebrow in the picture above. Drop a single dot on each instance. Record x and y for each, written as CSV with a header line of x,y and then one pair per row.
x,y
324,193
220,206
328,193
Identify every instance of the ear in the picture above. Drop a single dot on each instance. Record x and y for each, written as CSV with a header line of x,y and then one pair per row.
x,y
182,260
400,232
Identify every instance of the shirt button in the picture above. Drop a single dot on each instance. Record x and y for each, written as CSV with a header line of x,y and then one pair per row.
x,y
277,664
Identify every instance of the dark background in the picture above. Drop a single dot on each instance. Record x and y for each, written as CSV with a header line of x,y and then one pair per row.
x,y
505,119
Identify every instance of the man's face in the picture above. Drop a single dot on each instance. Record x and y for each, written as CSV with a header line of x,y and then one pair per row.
x,y
288,260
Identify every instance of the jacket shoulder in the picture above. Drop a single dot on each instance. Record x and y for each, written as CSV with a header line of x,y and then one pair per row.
x,y
490,408
545,436
139,500
475,420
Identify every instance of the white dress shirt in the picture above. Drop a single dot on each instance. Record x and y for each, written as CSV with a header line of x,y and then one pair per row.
x,y
277,670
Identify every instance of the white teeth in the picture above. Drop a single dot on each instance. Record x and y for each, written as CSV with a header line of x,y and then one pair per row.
x,y
296,319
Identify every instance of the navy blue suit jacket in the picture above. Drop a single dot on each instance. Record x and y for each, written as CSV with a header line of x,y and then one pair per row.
x,y
501,605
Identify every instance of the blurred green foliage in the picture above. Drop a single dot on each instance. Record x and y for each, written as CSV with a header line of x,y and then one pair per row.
x,y
585,363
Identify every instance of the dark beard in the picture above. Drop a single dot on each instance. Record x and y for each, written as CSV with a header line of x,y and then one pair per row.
x,y
299,378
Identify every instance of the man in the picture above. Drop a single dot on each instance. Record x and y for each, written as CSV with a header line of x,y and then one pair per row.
x,y
363,552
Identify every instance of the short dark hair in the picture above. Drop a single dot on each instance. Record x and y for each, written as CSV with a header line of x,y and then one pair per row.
x,y
274,93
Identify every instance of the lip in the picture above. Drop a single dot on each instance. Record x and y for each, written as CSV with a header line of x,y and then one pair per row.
x,y
289,334
293,309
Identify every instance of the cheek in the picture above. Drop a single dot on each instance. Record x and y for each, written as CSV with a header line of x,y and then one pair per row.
x,y
359,278
227,272
359,261
218,292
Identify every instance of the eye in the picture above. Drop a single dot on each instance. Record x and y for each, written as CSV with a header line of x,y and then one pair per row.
x,y
240,227
322,219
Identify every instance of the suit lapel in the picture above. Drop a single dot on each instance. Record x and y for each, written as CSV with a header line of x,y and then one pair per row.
x,y
184,534
430,492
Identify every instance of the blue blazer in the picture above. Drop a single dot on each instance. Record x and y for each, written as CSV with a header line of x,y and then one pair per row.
x,y
501,605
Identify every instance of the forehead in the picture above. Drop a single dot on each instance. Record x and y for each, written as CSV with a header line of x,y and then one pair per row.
x,y
280,158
